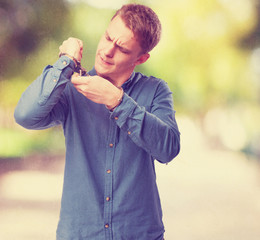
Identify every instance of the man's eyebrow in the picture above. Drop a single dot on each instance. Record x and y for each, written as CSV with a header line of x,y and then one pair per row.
x,y
119,46
126,50
122,48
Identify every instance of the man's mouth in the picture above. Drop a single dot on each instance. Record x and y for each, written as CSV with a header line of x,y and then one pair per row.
x,y
104,61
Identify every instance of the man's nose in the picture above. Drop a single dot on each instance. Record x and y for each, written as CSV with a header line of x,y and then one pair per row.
x,y
109,50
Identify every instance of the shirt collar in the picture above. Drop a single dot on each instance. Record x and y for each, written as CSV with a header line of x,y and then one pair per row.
x,y
125,85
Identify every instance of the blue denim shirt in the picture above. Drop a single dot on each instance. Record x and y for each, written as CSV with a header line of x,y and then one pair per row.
x,y
110,189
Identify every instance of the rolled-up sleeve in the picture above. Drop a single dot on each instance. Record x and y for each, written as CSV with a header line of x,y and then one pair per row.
x,y
156,130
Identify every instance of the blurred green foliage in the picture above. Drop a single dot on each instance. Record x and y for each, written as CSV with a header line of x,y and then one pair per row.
x,y
24,25
202,55
20,143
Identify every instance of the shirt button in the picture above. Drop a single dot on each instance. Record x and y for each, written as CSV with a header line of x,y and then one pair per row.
x,y
64,63
54,80
111,145
108,171
107,199
116,118
128,132
106,226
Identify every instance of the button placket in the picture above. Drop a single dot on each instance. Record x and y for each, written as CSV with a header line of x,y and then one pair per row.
x,y
108,193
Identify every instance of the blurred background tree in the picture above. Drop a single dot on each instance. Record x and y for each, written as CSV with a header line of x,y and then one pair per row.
x,y
208,55
25,24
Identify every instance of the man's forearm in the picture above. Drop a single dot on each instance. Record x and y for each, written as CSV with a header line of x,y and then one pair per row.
x,y
36,103
156,131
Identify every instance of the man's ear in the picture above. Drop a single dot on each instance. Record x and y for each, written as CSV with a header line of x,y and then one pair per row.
x,y
142,59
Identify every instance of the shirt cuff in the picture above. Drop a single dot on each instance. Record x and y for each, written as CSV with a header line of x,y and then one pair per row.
x,y
124,110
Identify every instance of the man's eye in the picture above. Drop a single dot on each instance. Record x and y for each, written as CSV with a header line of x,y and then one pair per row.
x,y
124,50
108,38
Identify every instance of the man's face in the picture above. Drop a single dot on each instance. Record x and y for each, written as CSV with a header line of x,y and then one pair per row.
x,y
118,52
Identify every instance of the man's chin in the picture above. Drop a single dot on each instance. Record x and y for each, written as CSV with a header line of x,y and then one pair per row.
x,y
102,72
103,75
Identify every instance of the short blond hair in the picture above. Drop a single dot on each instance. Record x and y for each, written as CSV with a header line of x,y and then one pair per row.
x,y
143,22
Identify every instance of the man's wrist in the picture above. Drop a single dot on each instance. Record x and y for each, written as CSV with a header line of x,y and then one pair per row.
x,y
118,101
71,57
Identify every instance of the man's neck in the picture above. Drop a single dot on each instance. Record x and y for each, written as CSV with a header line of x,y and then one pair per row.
x,y
119,81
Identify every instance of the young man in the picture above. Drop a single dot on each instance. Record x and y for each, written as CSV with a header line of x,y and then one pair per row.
x,y
116,123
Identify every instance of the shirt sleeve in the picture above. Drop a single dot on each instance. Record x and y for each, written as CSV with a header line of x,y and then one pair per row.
x,y
156,130
35,109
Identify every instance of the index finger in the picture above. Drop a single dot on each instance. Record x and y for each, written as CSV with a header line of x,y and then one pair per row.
x,y
76,80
80,42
